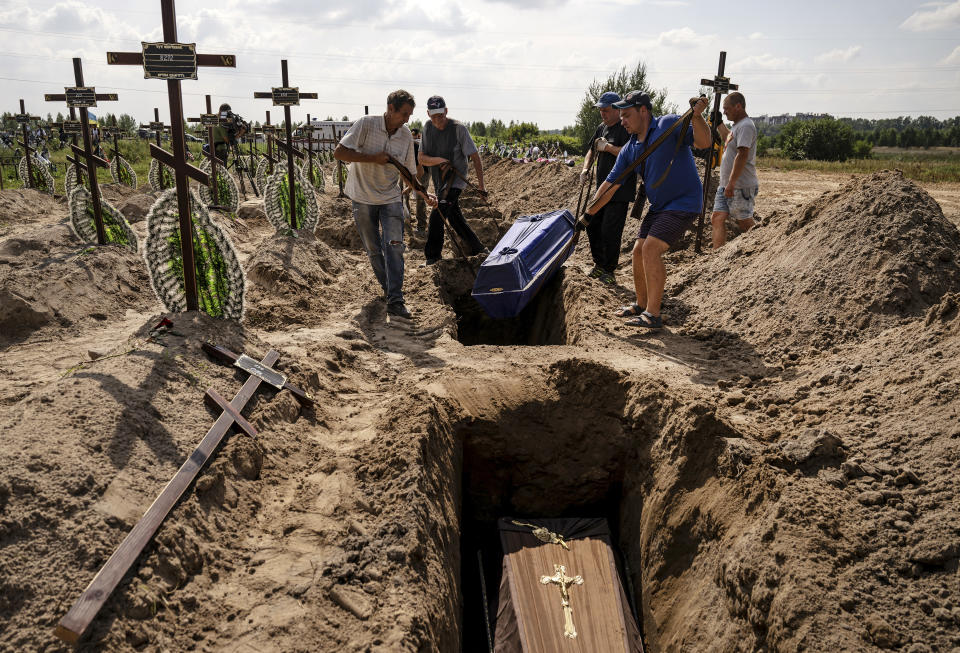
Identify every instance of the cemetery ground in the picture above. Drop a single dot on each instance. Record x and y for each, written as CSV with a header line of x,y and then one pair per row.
x,y
779,464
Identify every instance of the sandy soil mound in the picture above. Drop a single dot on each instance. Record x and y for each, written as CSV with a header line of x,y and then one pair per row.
x,y
850,263
24,206
530,188
287,276
49,278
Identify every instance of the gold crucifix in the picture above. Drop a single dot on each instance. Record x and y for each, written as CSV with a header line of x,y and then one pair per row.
x,y
560,578
544,535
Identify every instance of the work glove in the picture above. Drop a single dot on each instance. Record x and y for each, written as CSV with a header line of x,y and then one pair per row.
x,y
601,144
584,177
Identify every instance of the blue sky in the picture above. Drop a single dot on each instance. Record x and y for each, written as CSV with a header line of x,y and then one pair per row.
x,y
511,59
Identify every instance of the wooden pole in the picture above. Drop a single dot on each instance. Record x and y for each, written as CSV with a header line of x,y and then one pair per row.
x,y
291,171
26,148
91,163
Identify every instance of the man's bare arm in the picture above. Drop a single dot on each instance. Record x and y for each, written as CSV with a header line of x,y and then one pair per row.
x,y
478,168
347,155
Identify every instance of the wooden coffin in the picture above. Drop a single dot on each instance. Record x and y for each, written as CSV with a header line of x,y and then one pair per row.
x,y
530,614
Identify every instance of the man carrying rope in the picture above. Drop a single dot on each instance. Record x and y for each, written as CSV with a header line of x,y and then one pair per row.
x,y
373,186
673,188
606,228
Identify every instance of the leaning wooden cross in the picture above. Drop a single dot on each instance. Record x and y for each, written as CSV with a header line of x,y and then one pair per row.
x,y
211,120
76,622
173,61
23,119
287,96
82,97
720,85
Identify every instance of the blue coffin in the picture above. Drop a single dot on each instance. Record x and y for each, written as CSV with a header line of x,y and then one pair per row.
x,y
525,258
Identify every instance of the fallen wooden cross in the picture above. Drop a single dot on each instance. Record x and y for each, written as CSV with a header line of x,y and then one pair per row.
x,y
274,378
76,622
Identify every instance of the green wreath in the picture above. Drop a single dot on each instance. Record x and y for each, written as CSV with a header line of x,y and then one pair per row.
x,y
122,172
70,181
276,201
42,179
160,176
220,281
84,224
228,194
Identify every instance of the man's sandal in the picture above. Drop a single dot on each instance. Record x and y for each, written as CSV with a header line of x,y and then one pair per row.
x,y
630,311
647,321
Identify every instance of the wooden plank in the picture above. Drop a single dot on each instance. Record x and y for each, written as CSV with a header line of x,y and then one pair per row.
x,y
76,622
217,400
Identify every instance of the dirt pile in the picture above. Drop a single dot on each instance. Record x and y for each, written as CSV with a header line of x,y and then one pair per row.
x,y
851,263
49,278
531,188
288,276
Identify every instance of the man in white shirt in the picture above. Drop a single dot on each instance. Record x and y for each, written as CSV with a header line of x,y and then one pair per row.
x,y
738,170
373,185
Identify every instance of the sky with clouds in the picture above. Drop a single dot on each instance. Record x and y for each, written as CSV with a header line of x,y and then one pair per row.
x,y
527,60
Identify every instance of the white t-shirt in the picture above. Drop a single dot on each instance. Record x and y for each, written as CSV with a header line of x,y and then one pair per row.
x,y
742,134
373,183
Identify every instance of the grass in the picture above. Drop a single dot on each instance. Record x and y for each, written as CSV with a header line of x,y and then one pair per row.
x,y
135,151
936,164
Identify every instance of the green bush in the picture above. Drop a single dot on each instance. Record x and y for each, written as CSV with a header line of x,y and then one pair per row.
x,y
822,140
862,150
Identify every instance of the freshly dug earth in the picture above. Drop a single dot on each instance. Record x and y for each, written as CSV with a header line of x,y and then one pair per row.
x,y
780,463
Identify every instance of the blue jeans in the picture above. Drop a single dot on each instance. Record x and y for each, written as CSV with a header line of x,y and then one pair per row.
x,y
381,230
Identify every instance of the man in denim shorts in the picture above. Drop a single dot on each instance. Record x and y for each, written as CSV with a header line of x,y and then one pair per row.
x,y
738,170
373,185
673,188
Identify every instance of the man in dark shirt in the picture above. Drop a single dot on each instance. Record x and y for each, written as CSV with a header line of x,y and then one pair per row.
x,y
606,228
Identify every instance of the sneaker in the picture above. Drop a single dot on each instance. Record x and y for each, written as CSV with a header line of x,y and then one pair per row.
x,y
607,279
595,273
398,309
429,261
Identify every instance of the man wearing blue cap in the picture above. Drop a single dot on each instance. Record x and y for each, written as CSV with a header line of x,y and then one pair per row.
x,y
606,228
673,188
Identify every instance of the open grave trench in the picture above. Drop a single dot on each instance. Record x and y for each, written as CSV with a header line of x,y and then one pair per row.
x,y
574,439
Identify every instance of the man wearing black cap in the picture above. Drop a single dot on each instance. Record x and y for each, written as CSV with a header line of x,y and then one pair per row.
x,y
673,188
444,150
606,228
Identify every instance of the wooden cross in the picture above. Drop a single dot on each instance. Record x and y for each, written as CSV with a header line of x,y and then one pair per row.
x,y
114,133
309,149
174,61
82,97
287,96
156,126
208,120
720,85
24,119
76,622
561,579
268,131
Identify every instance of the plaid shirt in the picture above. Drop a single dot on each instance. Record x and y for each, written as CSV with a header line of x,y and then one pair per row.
x,y
372,183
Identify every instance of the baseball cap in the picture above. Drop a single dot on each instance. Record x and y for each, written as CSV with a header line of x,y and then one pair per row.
x,y
635,99
435,105
607,99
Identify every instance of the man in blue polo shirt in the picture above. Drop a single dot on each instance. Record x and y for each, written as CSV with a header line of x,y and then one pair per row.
x,y
673,189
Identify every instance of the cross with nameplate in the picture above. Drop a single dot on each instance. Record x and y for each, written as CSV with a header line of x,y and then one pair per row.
x,y
114,132
82,97
287,96
156,126
173,61
211,120
268,132
24,119
720,86
71,127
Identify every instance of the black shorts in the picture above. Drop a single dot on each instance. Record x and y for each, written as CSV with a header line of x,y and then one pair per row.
x,y
667,226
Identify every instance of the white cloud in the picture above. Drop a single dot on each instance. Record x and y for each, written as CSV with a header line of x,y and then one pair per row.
x,y
938,17
838,55
681,37
953,58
